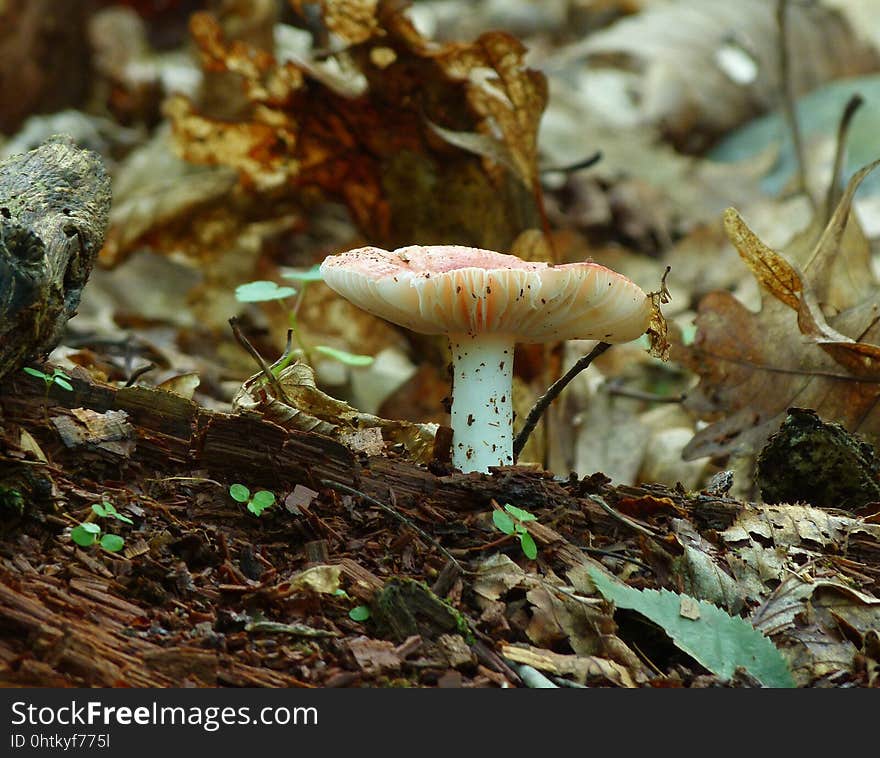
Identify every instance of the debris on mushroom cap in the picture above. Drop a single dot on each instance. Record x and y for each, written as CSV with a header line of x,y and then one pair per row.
x,y
441,289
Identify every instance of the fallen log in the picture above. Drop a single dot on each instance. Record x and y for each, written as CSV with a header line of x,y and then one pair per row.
x,y
54,208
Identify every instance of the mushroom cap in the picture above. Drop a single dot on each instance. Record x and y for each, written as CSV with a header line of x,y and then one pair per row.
x,y
448,289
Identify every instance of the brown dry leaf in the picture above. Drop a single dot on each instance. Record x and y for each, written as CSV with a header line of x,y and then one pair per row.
x,y
706,67
815,621
580,667
306,408
812,345
369,142
768,542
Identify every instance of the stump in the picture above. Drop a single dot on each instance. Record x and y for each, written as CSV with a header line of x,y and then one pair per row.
x,y
54,209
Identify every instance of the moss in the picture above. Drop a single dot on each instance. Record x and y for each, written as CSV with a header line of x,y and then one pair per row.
x,y
811,461
405,607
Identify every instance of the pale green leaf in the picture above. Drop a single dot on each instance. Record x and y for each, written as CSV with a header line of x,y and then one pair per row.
x,y
503,521
529,548
112,543
261,291
519,513
312,274
350,359
720,642
240,493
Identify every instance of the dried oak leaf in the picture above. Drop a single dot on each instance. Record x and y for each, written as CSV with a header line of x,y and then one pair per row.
x,y
300,405
797,350
380,136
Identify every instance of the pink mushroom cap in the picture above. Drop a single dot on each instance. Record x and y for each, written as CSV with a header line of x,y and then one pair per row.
x,y
451,289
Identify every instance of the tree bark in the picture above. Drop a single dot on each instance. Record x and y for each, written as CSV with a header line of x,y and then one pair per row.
x,y
54,209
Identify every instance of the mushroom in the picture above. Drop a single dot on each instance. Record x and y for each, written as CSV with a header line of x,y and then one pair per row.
x,y
486,302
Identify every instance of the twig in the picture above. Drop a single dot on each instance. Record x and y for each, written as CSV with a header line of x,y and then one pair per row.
x,y
264,367
617,556
788,99
397,515
614,388
551,394
138,373
577,166
634,525
834,189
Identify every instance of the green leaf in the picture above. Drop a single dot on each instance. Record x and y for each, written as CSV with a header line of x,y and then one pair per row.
x,y
519,513
716,640
503,521
264,499
112,543
101,509
63,383
359,613
312,274
529,548
258,292
350,359
84,535
37,373
240,493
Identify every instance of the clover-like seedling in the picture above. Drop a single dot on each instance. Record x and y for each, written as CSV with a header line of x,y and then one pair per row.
x,y
265,291
57,377
256,503
512,522
106,509
88,533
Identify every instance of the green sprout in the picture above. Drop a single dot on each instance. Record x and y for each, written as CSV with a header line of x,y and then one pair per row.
x,y
106,509
511,521
256,503
88,533
359,613
264,291
57,377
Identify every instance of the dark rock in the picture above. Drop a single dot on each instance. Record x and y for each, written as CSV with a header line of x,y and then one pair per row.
x,y
811,461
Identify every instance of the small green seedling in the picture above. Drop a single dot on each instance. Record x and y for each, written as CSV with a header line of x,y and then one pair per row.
x,y
359,613
88,533
264,291
512,522
57,377
261,292
106,509
256,503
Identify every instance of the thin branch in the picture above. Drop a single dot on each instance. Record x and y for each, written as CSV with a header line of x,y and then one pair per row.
x,y
788,99
551,394
264,367
397,515
616,389
631,523
834,188
592,160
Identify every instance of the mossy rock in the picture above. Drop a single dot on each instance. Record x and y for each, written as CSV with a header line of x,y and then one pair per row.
x,y
811,461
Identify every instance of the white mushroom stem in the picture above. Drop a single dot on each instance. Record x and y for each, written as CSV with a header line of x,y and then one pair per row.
x,y
482,408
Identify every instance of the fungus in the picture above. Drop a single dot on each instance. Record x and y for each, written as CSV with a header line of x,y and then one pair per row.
x,y
485,302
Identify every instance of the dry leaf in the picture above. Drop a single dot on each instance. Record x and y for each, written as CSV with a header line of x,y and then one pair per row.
x,y
708,66
370,143
306,408
812,344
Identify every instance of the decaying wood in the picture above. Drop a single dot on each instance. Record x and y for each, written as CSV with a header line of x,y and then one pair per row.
x,y
54,208
79,631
